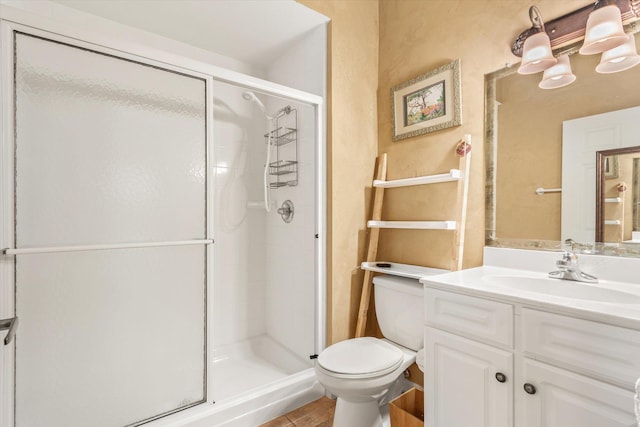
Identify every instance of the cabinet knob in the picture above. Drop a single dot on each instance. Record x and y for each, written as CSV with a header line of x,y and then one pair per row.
x,y
530,388
502,378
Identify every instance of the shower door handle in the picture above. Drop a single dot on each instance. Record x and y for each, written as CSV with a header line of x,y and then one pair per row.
x,y
10,324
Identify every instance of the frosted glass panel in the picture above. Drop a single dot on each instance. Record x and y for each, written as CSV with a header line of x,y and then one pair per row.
x,y
108,338
107,150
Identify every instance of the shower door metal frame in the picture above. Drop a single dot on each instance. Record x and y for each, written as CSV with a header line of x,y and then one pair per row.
x,y
7,270
139,49
8,32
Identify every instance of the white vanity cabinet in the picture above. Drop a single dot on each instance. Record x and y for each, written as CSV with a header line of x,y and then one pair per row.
x,y
461,374
562,398
491,363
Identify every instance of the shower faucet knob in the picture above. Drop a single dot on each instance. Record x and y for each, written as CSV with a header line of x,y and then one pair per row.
x,y
286,211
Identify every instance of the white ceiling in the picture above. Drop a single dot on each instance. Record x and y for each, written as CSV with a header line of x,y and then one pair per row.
x,y
252,31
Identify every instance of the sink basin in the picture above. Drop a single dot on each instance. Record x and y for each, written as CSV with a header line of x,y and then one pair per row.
x,y
562,288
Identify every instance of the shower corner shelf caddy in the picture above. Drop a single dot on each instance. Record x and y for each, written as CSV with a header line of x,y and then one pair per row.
x,y
456,225
284,170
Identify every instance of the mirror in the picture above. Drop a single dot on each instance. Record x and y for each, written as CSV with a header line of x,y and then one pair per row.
x,y
618,196
523,152
591,150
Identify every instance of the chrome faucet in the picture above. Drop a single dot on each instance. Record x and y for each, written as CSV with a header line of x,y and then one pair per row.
x,y
568,268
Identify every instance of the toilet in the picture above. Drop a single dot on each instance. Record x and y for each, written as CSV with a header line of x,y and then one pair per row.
x,y
361,371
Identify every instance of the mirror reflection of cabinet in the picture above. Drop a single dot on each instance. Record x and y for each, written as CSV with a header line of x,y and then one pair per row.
x,y
617,195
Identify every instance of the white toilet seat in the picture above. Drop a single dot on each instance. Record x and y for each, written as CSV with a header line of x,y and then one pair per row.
x,y
356,358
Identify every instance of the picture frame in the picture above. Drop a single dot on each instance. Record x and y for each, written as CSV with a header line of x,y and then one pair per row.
x,y
427,103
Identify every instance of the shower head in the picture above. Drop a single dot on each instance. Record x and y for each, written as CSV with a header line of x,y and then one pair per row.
x,y
250,96
285,110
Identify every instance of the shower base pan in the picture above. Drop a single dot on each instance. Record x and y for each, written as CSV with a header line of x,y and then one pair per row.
x,y
254,381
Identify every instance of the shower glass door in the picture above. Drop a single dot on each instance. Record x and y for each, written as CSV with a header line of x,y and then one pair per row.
x,y
110,237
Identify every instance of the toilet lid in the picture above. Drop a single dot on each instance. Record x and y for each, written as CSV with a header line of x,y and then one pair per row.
x,y
361,356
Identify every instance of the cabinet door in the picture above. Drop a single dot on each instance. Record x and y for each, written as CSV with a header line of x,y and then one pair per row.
x,y
562,398
461,388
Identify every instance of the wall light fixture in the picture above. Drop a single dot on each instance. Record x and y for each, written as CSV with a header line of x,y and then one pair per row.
x,y
536,52
558,75
601,27
604,29
619,58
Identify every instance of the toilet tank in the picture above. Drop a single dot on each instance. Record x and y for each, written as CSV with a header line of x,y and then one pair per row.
x,y
400,310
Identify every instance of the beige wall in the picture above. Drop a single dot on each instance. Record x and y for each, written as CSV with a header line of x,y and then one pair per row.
x,y
418,36
413,37
352,139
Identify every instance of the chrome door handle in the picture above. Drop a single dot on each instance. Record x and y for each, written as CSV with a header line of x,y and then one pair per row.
x,y
12,326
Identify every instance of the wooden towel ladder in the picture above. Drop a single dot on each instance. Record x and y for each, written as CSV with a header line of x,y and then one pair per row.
x,y
375,224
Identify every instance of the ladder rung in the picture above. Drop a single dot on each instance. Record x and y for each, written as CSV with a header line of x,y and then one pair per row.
x,y
453,175
414,225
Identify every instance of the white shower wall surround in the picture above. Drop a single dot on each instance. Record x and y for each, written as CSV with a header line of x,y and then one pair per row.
x,y
263,297
140,313
289,316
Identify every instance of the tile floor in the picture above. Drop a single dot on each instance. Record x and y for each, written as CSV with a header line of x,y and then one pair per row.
x,y
318,413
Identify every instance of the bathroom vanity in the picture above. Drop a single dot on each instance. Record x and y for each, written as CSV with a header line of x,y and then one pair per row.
x,y
510,347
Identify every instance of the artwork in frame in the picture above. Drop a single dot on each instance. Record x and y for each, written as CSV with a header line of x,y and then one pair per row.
x,y
427,103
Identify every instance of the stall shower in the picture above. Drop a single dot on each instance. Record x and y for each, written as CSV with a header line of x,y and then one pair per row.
x,y
147,254
265,318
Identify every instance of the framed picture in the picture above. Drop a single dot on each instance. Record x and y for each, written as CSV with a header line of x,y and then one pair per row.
x,y
427,103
